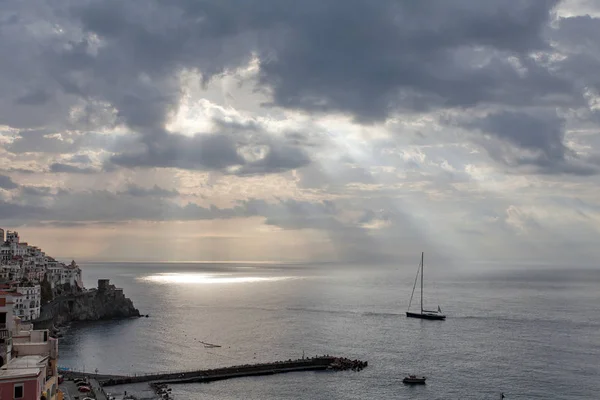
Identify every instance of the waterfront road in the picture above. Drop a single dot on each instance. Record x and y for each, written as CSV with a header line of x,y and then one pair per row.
x,y
71,393
97,390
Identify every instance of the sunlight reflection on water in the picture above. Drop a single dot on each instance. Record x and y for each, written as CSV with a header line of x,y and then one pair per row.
x,y
204,278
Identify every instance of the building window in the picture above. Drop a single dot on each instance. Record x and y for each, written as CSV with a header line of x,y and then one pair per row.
x,y
19,391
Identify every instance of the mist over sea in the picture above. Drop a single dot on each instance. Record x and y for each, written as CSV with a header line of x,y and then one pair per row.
x,y
533,334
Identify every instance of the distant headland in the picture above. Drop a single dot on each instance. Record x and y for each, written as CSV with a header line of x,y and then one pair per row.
x,y
50,293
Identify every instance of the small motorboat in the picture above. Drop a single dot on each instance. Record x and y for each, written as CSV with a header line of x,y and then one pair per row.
x,y
414,380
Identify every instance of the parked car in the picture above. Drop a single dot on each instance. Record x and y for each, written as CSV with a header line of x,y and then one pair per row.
x,y
84,389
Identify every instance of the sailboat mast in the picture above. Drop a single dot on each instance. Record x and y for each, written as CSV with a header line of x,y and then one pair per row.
x,y
422,270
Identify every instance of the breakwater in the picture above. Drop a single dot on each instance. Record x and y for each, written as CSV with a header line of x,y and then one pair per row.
x,y
209,375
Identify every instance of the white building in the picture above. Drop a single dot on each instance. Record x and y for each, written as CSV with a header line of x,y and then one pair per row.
x,y
54,271
21,249
18,304
27,301
12,237
20,261
33,272
4,272
72,275
11,271
5,253
6,325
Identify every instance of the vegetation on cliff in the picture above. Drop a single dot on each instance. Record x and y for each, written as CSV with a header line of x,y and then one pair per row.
x,y
46,289
90,305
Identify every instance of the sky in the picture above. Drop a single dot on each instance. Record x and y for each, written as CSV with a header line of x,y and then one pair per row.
x,y
282,130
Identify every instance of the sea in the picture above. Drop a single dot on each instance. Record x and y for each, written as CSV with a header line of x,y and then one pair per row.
x,y
528,332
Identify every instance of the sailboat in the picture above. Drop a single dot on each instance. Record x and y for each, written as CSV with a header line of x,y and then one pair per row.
x,y
424,314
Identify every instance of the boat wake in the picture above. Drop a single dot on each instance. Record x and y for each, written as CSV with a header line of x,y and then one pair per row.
x,y
344,312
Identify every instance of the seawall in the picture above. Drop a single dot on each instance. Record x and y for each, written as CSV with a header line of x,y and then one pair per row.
x,y
209,375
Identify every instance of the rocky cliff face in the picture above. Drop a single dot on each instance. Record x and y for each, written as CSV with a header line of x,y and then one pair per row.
x,y
92,305
97,305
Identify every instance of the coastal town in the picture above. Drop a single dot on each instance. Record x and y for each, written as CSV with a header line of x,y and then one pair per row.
x,y
26,269
28,356
31,280
39,294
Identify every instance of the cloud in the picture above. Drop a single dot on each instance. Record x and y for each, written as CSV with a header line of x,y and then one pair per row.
x,y
34,98
172,150
155,204
43,141
238,151
80,159
533,138
155,191
312,56
319,57
21,170
7,183
11,211
71,169
368,123
53,142
36,190
411,59
102,205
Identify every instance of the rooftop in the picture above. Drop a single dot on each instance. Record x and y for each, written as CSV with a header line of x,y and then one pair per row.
x,y
19,373
25,362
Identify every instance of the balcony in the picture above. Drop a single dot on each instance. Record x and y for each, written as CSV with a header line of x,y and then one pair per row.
x,y
4,333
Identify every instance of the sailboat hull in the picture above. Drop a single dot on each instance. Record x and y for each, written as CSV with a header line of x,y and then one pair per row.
x,y
438,317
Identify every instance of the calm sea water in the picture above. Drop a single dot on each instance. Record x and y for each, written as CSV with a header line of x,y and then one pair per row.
x,y
531,334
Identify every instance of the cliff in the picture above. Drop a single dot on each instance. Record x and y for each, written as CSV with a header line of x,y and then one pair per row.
x,y
104,303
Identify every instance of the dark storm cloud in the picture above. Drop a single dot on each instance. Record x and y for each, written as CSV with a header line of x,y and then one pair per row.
x,y
542,134
214,151
576,37
279,158
370,58
362,57
71,169
534,138
7,183
93,63
34,98
210,151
